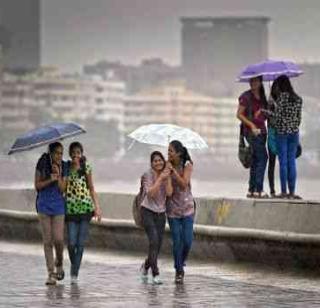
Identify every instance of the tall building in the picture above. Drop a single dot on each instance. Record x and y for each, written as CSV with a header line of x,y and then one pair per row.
x,y
20,34
214,50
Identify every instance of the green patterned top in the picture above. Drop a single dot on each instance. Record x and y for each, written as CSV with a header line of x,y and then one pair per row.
x,y
79,200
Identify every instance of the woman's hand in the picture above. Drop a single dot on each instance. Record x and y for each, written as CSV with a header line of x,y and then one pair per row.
x,y
97,213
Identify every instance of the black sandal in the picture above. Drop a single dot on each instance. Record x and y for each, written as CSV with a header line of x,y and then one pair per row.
x,y
59,274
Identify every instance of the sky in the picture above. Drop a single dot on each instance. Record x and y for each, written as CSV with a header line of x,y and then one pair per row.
x,y
78,32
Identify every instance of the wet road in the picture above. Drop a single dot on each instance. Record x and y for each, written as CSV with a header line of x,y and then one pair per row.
x,y
109,279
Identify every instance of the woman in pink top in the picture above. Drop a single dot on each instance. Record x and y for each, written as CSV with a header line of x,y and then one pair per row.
x,y
157,186
180,206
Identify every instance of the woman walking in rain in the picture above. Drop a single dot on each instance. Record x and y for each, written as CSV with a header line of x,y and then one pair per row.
x,y
180,206
50,183
156,184
288,109
250,113
82,205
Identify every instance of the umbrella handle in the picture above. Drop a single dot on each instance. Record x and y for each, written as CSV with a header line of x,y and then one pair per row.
x,y
131,144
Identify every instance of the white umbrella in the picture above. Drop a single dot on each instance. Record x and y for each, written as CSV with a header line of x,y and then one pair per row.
x,y
162,134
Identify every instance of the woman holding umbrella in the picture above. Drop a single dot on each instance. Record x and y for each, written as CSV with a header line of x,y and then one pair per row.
x,y
50,183
250,113
180,206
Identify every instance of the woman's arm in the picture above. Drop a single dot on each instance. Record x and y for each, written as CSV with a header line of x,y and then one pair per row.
x,y
241,116
39,184
97,209
153,188
169,188
184,180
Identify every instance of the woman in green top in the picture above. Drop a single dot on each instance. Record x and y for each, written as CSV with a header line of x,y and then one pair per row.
x,y
82,205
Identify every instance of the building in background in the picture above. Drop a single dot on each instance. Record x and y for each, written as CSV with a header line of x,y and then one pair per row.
x,y
148,74
215,49
36,98
213,118
20,26
16,102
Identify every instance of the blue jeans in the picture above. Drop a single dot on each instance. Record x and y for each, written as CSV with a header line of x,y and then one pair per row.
x,y
77,234
259,162
181,234
287,148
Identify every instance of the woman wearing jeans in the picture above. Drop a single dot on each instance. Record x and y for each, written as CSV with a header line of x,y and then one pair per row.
x,y
157,186
180,206
288,108
82,205
250,113
50,181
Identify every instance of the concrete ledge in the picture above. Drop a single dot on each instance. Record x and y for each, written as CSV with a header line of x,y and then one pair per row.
x,y
210,242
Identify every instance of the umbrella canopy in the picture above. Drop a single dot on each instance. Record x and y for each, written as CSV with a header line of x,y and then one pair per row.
x,y
45,135
270,70
162,134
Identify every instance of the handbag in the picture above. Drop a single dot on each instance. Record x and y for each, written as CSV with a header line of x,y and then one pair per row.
x,y
136,206
244,151
272,144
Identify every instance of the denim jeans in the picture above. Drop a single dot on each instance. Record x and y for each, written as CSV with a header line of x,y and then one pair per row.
x,y
287,148
259,162
181,234
77,234
154,225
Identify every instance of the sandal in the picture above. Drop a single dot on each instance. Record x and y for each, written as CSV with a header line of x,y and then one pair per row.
x,y
51,280
263,195
294,197
273,195
282,196
59,275
249,194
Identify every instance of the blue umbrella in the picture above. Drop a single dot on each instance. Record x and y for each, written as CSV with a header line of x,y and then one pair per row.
x,y
270,70
45,135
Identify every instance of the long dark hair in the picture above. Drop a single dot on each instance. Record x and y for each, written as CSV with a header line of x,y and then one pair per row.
x,y
78,145
44,164
284,85
262,92
182,151
274,92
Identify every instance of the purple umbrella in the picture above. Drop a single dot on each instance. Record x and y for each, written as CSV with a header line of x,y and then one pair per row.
x,y
270,70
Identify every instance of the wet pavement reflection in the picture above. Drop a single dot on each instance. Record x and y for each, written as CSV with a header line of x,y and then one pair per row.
x,y
110,279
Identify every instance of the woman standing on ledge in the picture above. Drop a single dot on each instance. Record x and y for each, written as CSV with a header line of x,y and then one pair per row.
x,y
50,183
288,109
180,206
82,205
156,184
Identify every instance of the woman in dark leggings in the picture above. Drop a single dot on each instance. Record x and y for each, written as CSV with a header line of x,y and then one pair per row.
x,y
272,148
156,184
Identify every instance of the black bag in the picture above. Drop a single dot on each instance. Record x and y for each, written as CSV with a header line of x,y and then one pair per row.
x,y
244,151
136,206
299,150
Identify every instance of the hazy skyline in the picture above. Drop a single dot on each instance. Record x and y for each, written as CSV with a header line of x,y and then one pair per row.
x,y
77,32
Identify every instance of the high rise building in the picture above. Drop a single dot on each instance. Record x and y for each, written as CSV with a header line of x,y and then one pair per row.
x,y
20,34
214,50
